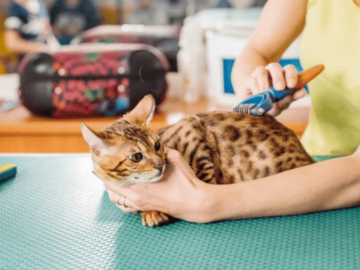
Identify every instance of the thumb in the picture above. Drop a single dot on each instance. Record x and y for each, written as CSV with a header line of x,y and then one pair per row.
x,y
285,103
175,159
172,156
299,94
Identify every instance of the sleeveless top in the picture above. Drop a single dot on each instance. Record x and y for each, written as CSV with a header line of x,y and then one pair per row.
x,y
332,37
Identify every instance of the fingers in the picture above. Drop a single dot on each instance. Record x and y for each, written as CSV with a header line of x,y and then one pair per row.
x,y
262,77
299,94
277,76
122,202
127,209
134,195
119,190
173,156
252,86
291,76
285,103
273,74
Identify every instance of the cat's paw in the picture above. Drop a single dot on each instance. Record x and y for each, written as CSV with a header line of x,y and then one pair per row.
x,y
153,218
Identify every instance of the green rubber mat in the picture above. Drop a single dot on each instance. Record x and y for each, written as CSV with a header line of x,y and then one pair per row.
x,y
56,215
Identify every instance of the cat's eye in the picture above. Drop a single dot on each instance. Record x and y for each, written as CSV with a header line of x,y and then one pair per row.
x,y
136,157
157,146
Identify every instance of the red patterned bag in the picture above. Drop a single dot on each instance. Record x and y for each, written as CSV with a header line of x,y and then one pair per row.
x,y
163,37
91,79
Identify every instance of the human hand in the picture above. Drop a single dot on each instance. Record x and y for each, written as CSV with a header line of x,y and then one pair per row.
x,y
273,74
53,44
42,48
179,193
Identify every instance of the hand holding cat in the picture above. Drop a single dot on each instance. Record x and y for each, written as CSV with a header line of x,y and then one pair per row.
x,y
180,193
273,74
312,188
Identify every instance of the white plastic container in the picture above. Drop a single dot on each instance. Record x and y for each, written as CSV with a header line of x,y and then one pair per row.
x,y
191,61
222,50
192,55
210,41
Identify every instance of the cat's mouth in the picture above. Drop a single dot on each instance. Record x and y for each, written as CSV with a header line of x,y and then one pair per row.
x,y
156,177
150,179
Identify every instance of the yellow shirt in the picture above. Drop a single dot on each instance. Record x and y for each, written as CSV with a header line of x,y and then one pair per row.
x,y
332,37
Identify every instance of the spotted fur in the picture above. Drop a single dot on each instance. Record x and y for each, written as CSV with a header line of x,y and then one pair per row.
x,y
220,147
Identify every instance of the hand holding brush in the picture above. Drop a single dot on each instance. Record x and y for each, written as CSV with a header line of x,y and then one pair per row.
x,y
262,103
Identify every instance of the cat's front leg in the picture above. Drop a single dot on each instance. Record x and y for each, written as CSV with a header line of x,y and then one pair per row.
x,y
153,218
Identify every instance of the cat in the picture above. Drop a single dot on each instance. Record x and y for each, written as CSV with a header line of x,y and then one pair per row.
x,y
220,147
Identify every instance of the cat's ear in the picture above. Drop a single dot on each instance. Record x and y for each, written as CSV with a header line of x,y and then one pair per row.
x,y
94,142
143,112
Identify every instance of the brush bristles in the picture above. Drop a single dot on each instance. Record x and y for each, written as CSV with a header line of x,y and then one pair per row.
x,y
244,108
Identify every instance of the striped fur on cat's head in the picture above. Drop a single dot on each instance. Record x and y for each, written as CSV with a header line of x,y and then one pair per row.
x,y
127,151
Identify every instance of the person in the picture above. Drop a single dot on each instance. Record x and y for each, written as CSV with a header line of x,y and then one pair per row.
x,y
326,185
71,17
328,39
27,28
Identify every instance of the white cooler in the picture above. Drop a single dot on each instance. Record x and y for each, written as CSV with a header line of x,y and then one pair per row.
x,y
222,50
210,41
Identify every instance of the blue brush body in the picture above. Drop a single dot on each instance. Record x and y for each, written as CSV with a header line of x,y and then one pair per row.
x,y
262,102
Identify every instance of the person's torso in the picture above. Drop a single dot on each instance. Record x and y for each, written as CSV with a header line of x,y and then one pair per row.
x,y
30,23
70,20
332,37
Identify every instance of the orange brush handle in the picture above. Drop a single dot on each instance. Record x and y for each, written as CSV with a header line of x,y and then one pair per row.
x,y
307,75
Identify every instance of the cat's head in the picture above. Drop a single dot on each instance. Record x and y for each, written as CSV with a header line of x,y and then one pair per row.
x,y
127,151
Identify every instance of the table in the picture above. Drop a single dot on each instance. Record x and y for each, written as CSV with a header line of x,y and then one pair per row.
x,y
56,215
21,132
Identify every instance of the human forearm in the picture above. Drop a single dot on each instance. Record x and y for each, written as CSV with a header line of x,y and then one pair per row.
x,y
16,44
281,21
244,65
25,47
322,186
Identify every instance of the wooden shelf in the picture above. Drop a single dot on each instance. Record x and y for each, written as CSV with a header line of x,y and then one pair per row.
x,y
21,132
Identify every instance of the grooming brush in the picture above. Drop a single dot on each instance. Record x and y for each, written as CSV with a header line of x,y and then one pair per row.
x,y
261,103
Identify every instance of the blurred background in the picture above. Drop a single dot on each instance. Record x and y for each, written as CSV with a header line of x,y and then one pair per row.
x,y
188,50
114,12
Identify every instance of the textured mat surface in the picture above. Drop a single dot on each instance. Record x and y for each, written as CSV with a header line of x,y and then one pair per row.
x,y
55,215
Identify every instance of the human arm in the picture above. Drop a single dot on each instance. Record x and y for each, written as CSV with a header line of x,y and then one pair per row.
x,y
16,19
15,43
321,186
280,23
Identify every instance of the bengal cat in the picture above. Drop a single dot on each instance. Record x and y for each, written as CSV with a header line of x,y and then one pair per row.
x,y
220,147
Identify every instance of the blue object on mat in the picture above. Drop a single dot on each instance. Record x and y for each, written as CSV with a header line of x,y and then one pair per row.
x,y
7,171
57,215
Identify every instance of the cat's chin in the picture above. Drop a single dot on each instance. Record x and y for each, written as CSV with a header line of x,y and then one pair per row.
x,y
144,181
153,179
